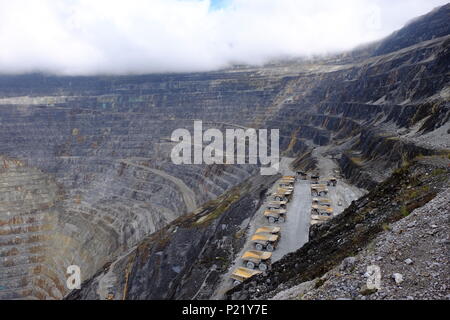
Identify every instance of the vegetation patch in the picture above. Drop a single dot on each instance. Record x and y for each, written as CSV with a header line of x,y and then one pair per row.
x,y
221,207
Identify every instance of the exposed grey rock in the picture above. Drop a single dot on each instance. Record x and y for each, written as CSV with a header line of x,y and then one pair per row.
x,y
348,264
398,278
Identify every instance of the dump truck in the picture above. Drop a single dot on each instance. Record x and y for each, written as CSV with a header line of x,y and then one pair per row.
x,y
316,219
321,201
277,196
315,178
291,180
284,191
322,210
274,205
302,175
286,186
273,230
332,181
241,274
275,215
319,190
257,259
265,241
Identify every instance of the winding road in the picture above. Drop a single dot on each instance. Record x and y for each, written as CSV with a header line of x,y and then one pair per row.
x,y
186,192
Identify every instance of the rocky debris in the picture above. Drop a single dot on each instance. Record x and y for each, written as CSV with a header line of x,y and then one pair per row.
x,y
398,278
295,292
348,264
424,278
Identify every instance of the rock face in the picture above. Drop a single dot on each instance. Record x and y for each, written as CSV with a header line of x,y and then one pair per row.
x,y
88,178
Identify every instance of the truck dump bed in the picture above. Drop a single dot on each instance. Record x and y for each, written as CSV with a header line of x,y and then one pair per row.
x,y
274,212
319,217
265,237
256,255
268,230
242,273
284,191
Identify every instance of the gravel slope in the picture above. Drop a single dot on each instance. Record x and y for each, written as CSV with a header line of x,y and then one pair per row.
x,y
415,248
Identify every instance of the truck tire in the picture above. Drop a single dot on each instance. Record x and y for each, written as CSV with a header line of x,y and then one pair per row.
x,y
271,220
262,266
281,219
259,247
270,248
250,265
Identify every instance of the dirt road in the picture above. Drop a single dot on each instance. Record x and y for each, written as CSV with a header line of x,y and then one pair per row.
x,y
343,193
295,231
186,192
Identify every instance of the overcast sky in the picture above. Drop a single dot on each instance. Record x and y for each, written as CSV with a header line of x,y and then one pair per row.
x,y
142,36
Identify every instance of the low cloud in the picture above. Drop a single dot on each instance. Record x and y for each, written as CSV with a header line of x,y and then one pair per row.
x,y
136,36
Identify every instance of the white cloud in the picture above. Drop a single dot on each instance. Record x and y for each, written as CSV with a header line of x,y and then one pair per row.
x,y
138,36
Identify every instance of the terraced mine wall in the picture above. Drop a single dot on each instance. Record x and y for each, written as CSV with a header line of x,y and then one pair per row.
x,y
87,174
108,157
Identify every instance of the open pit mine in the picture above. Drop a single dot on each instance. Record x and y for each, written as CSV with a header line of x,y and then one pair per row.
x,y
87,180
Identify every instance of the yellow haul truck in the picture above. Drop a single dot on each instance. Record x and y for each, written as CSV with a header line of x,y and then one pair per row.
x,y
279,196
322,202
241,274
286,192
332,181
302,175
265,241
286,185
319,190
257,259
322,210
275,205
273,230
273,216
316,219
315,178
